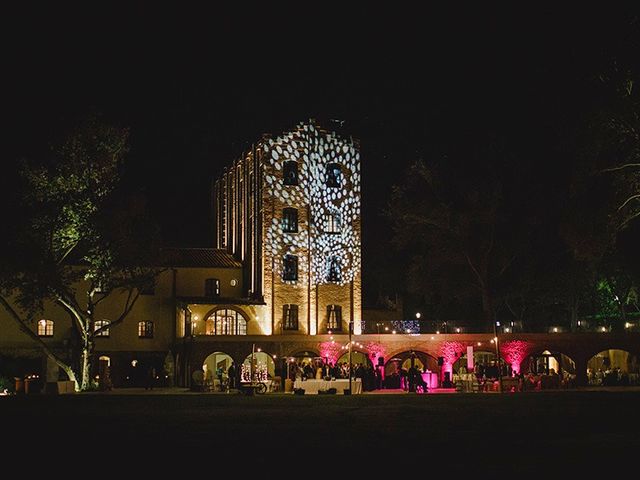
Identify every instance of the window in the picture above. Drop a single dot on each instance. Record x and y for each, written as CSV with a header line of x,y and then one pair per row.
x,y
289,220
334,317
290,317
290,268
333,271
98,325
290,173
332,223
334,175
226,322
212,287
45,328
145,329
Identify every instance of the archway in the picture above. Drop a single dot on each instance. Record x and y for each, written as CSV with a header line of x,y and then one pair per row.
x,y
424,362
214,370
548,369
613,367
263,367
104,373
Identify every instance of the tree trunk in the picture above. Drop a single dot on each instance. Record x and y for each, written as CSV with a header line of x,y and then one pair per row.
x,y
85,366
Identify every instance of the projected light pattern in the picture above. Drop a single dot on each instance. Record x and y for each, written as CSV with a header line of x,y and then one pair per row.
x,y
332,244
514,352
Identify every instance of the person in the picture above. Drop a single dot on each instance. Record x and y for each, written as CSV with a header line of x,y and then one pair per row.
x,y
219,373
231,372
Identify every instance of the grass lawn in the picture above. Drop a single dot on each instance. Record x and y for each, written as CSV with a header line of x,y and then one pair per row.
x,y
579,431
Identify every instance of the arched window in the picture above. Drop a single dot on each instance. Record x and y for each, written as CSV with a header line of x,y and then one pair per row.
x,y
290,220
290,268
45,328
290,173
226,321
334,175
334,317
98,325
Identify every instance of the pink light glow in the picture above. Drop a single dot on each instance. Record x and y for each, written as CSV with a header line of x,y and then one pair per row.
x,y
375,351
331,351
514,352
451,351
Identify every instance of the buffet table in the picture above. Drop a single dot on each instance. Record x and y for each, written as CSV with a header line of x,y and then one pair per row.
x,y
342,384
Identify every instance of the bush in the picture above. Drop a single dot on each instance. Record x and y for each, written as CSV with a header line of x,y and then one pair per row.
x,y
8,384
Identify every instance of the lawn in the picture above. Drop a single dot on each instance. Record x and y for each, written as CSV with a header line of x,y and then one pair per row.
x,y
581,431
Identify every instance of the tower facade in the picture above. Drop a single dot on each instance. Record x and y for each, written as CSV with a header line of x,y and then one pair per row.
x,y
289,210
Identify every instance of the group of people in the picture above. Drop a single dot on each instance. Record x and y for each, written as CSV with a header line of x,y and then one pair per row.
x,y
371,378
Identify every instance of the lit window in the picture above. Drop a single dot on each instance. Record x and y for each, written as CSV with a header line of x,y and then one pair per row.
x,y
332,223
334,175
226,322
334,317
98,325
212,287
290,317
290,173
289,220
45,328
290,268
145,329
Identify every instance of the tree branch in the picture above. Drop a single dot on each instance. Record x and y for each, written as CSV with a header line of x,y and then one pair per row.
x,y
632,197
475,270
626,165
128,306
74,312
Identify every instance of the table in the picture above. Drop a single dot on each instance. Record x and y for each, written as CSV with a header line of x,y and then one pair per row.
x,y
431,379
342,384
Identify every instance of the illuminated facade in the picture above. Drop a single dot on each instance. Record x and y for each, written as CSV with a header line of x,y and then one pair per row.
x,y
289,210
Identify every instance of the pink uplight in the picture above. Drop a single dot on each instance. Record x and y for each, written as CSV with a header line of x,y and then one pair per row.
x,y
514,352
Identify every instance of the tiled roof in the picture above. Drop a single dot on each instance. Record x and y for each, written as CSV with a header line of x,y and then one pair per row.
x,y
199,258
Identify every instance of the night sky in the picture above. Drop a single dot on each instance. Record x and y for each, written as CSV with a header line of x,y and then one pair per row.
x,y
197,88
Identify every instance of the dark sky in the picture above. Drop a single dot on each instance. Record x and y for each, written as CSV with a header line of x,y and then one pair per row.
x,y
196,88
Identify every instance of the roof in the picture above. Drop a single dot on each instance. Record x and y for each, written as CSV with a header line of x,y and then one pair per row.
x,y
199,258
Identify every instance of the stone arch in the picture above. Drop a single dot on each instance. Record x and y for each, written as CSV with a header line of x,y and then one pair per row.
x,y
210,365
264,367
548,360
422,359
613,367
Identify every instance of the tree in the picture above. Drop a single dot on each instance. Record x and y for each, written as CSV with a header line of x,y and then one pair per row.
x,y
458,219
77,243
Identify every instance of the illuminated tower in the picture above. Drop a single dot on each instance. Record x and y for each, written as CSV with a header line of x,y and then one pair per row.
x,y
289,209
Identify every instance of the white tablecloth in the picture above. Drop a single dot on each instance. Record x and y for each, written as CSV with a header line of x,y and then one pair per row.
x,y
431,379
312,386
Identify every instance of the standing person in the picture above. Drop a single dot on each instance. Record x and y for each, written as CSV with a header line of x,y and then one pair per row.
x,y
231,372
219,373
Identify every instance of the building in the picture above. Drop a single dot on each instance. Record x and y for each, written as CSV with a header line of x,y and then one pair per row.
x,y
282,284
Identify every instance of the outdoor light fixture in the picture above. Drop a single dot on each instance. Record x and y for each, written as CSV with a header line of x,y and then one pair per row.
x,y
458,330
438,332
555,329
506,329
418,315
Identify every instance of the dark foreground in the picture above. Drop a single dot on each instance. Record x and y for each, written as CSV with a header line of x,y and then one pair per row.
x,y
542,432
